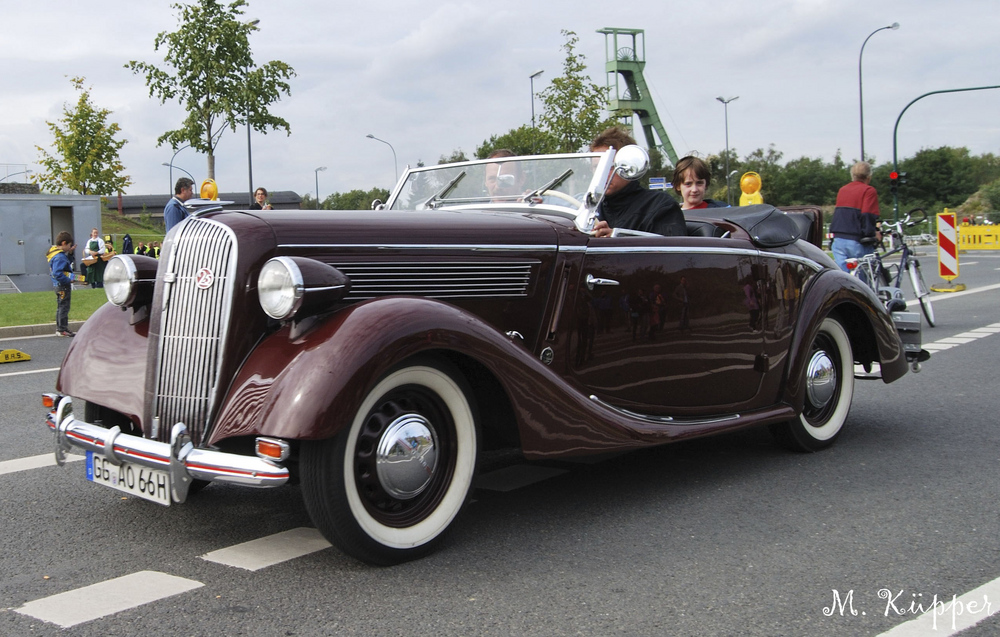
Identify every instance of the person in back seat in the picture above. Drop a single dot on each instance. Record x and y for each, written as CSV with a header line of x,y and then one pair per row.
x,y
692,177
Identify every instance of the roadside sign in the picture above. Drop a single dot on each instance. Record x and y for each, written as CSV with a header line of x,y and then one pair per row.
x,y
947,246
657,183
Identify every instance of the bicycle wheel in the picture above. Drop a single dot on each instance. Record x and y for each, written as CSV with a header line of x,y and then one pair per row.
x,y
920,289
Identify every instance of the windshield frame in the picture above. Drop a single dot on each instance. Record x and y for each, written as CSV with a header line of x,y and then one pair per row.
x,y
584,213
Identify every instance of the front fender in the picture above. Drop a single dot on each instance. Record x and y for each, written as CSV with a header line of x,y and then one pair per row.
x,y
309,388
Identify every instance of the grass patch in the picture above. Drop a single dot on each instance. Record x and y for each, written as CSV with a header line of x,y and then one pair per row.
x,y
33,308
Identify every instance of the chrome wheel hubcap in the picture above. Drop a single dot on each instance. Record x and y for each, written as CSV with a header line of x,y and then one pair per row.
x,y
406,456
821,380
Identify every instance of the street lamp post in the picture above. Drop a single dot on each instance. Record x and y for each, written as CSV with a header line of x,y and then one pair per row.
x,y
861,101
23,172
532,79
171,167
252,24
170,188
317,172
725,105
895,130
394,165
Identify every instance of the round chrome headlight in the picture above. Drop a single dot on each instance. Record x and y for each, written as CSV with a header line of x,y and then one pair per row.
x,y
119,281
280,287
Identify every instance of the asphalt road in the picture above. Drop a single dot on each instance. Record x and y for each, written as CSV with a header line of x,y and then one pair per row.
x,y
722,536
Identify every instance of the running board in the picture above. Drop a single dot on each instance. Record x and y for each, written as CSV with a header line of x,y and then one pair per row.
x,y
664,420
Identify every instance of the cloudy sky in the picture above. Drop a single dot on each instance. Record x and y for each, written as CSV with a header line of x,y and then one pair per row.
x,y
431,77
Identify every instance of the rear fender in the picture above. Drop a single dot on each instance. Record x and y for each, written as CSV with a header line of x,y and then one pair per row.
x,y
866,321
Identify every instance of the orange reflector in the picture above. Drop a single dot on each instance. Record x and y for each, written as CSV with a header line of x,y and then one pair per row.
x,y
273,449
49,400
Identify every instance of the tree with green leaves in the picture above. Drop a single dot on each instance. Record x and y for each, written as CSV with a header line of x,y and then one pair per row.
x,y
355,199
457,155
574,106
85,158
524,140
210,70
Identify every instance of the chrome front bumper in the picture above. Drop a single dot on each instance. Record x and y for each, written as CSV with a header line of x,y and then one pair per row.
x,y
179,457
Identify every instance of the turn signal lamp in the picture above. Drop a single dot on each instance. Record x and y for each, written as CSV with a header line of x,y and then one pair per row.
x,y
49,401
272,449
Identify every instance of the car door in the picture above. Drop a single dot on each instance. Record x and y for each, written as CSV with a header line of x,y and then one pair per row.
x,y
670,325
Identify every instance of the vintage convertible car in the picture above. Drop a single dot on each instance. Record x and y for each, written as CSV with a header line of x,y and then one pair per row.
x,y
376,356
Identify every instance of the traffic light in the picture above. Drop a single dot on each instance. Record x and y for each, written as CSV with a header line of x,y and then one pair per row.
x,y
894,182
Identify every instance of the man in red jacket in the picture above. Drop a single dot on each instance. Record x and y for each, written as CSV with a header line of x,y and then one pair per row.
x,y
855,224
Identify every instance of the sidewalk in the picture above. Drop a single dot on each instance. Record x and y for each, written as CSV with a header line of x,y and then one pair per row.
x,y
44,329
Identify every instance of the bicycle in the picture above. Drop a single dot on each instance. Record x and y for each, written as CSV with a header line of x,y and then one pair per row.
x,y
872,270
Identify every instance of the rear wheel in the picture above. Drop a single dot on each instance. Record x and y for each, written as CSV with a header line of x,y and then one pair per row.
x,y
387,487
829,387
921,291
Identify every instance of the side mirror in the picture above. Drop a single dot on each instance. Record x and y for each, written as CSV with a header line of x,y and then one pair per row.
x,y
377,204
631,162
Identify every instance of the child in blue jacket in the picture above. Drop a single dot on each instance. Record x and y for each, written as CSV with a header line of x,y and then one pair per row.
x,y
61,269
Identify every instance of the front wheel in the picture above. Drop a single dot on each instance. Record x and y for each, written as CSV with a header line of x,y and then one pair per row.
x,y
829,388
385,489
920,289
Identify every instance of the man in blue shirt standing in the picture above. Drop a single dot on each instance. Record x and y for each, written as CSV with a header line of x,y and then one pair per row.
x,y
855,225
175,212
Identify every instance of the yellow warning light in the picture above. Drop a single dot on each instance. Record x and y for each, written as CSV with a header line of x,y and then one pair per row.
x,y
750,184
209,190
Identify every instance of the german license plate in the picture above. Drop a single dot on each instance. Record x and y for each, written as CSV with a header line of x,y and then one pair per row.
x,y
142,482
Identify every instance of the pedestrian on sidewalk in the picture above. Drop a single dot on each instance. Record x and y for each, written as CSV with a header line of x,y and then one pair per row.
x,y
61,270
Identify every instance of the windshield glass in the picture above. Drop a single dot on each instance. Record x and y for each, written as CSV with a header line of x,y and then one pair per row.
x,y
550,179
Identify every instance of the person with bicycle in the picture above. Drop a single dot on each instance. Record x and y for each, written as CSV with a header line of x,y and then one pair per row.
x,y
855,224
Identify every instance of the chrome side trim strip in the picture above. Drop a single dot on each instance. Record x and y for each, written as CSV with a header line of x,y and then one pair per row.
x,y
743,252
474,247
664,420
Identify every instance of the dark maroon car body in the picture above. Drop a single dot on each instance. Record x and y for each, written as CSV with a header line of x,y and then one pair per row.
x,y
531,315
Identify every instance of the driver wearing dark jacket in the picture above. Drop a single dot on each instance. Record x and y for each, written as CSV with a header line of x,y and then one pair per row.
x,y
627,204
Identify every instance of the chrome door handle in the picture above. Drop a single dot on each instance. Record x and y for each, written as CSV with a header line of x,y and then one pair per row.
x,y
592,281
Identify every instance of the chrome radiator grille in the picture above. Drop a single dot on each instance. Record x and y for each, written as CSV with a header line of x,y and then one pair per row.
x,y
438,279
197,301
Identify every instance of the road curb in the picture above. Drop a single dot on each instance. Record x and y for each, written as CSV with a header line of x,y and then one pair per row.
x,y
43,329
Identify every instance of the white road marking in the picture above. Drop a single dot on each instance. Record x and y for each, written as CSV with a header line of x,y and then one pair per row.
x,y
961,339
33,462
954,340
33,371
106,598
952,616
268,551
953,295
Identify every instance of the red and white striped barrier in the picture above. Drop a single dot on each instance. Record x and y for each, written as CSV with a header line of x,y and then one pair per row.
x,y
947,245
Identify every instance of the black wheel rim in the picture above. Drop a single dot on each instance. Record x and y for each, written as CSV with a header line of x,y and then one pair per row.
x,y
817,415
401,401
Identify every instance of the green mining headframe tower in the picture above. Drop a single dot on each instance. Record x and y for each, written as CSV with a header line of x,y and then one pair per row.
x,y
625,51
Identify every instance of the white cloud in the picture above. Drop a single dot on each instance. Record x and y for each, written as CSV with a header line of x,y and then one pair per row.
x,y
436,76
